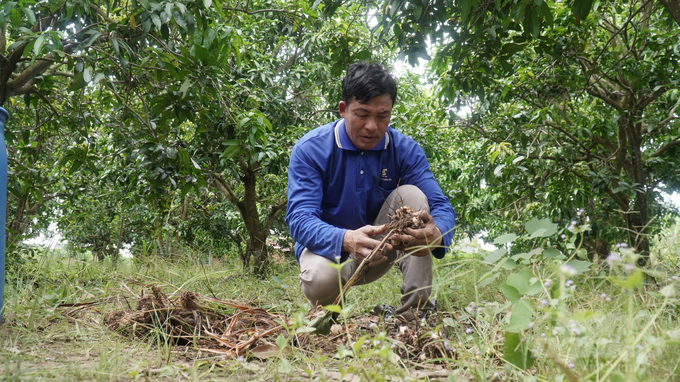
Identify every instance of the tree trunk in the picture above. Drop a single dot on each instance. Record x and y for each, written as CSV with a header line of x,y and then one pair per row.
x,y
13,233
119,245
637,218
257,248
23,216
673,7
159,235
257,235
637,224
258,231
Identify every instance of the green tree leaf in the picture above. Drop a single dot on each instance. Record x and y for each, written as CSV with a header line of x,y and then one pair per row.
x,y
581,8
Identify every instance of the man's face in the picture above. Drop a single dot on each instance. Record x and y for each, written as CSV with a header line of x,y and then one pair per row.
x,y
366,123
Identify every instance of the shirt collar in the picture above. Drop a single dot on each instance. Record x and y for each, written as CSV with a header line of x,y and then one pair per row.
x,y
343,141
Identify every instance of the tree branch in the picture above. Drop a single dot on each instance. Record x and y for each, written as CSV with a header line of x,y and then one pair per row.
x,y
274,212
671,116
3,40
246,11
615,104
31,72
224,188
673,7
666,147
630,18
103,14
605,143
647,100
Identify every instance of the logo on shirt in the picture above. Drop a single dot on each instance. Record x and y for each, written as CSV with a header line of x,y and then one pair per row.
x,y
383,176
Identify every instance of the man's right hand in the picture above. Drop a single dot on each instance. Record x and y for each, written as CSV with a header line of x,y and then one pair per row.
x,y
360,243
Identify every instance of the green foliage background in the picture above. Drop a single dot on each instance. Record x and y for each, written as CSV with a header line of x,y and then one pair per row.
x,y
551,125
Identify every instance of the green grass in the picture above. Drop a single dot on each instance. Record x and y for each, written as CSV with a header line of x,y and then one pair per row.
x,y
598,330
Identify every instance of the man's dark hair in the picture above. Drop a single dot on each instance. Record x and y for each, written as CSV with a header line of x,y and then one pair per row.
x,y
365,81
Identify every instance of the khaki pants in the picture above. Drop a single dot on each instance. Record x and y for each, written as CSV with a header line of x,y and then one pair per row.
x,y
320,283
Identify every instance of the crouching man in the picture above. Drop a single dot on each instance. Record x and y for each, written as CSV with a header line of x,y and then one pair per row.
x,y
344,180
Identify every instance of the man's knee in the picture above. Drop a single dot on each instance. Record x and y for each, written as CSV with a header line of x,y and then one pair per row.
x,y
320,285
410,195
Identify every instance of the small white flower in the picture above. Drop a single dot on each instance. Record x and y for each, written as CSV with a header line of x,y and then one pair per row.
x,y
547,283
468,330
571,365
569,283
613,258
544,302
603,295
568,270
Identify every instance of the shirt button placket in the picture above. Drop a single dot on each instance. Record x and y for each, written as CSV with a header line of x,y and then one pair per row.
x,y
360,177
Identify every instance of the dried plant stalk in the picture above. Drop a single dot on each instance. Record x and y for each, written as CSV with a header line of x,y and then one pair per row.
x,y
403,217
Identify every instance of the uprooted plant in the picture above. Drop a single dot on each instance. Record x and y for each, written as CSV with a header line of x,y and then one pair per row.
x,y
402,218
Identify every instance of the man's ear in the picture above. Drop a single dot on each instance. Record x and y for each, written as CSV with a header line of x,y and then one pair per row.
x,y
342,106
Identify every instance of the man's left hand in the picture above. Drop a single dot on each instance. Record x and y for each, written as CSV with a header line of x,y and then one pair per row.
x,y
420,240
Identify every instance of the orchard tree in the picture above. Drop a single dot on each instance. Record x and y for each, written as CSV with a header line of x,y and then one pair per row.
x,y
163,100
232,111
572,107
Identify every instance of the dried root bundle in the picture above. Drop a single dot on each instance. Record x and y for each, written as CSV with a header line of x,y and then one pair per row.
x,y
405,217
402,218
192,318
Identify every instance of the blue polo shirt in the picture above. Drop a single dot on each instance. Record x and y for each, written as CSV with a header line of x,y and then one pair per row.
x,y
333,187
